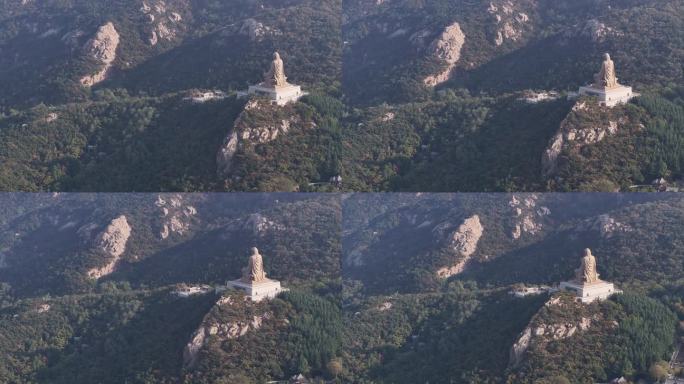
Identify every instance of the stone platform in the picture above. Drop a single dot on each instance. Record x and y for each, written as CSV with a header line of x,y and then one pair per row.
x,y
266,289
280,95
590,292
609,97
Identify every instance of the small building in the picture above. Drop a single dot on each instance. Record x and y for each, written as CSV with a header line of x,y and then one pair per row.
x,y
187,291
532,291
200,97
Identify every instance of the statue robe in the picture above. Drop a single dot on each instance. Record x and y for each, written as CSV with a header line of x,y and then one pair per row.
x,y
587,271
275,77
255,269
606,77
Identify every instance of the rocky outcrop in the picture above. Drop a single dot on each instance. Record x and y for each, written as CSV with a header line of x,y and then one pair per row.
x,y
446,48
596,30
176,215
102,49
606,226
256,224
463,244
164,24
259,123
193,347
527,215
578,129
511,24
519,348
224,157
253,29
112,242
541,331
227,330
259,224
43,308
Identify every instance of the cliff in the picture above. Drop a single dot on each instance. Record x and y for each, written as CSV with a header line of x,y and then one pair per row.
x,y
462,243
112,242
102,50
587,124
447,48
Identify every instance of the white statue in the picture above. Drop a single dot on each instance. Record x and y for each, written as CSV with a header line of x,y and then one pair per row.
x,y
275,77
587,273
606,78
254,272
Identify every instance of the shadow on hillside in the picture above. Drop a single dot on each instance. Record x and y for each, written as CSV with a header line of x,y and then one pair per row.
x,y
446,349
551,63
206,259
207,62
149,343
504,153
549,261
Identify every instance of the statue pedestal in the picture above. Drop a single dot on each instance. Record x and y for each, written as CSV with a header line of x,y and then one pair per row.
x,y
266,289
590,292
609,97
279,95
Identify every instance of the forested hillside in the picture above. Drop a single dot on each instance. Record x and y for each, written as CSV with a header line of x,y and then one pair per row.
x,y
404,95
97,96
428,283
91,287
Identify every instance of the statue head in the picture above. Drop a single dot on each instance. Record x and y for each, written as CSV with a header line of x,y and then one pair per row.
x,y
606,56
255,251
587,252
276,56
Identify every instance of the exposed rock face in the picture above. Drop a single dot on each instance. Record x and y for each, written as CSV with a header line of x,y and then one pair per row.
x,y
463,243
575,132
606,226
256,224
113,243
191,350
447,48
259,224
52,116
389,116
176,215
540,332
519,348
224,157
272,125
527,215
597,30
253,29
230,330
43,308
102,48
164,24
511,24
